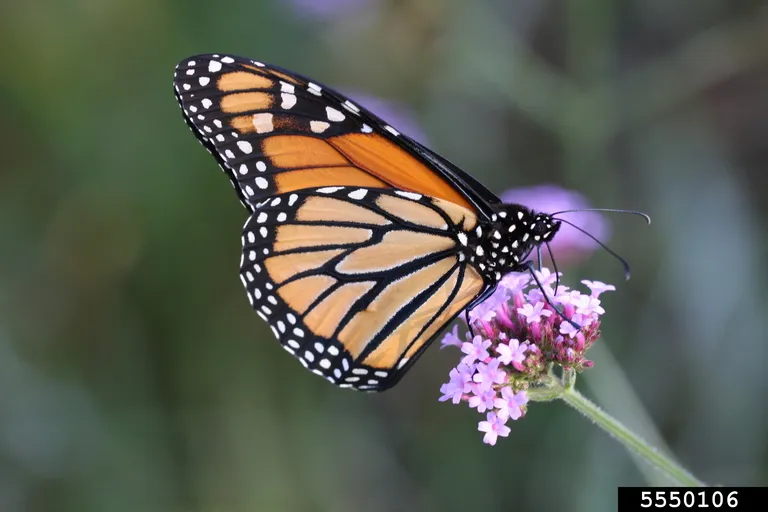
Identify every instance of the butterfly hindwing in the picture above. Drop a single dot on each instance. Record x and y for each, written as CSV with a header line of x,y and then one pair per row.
x,y
356,282
274,132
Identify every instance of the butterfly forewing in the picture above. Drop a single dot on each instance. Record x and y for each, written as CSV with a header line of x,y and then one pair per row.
x,y
355,282
274,132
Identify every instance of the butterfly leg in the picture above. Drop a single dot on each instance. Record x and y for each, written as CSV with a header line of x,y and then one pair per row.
x,y
529,266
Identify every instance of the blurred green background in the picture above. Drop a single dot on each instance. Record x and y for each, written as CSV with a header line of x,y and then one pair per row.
x,y
133,373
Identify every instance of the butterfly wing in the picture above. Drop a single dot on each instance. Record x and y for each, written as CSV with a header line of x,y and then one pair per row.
x,y
273,131
356,282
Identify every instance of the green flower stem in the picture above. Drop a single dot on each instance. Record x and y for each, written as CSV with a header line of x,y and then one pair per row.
x,y
553,388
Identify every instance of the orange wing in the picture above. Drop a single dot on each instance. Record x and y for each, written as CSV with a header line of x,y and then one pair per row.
x,y
356,282
275,132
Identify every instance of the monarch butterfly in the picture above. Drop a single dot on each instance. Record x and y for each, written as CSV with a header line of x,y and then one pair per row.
x,y
362,244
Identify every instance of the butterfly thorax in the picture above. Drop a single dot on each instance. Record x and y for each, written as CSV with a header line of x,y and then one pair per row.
x,y
501,244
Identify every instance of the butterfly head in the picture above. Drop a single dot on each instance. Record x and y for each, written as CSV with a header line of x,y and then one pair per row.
x,y
543,228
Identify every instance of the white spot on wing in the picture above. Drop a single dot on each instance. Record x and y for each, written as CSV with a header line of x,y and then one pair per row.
x,y
289,100
351,106
263,122
204,80
245,146
409,195
334,115
214,66
329,190
318,126
358,194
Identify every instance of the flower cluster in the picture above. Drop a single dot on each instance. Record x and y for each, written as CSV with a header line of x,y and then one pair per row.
x,y
517,338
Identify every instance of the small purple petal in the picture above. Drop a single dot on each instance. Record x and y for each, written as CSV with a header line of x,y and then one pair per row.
x,y
493,428
533,314
460,383
569,330
477,350
486,310
483,400
510,404
588,306
515,282
598,287
451,338
511,353
546,277
489,374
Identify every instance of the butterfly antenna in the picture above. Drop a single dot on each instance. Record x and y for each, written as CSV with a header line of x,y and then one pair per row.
x,y
530,268
606,210
554,266
601,244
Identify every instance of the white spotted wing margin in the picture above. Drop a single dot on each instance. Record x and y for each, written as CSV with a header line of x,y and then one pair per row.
x,y
357,282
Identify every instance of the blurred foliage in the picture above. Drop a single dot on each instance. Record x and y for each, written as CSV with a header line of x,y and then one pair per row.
x,y
133,374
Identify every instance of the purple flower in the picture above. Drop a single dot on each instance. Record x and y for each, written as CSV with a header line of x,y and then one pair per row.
x,y
476,351
489,374
567,297
587,306
487,310
510,404
493,428
483,400
569,244
512,352
329,10
597,287
496,362
515,282
533,314
546,278
568,329
460,383
451,338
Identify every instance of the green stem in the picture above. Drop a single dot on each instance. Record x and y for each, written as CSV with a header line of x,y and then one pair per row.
x,y
629,439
